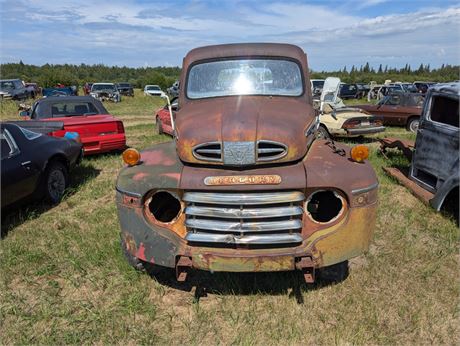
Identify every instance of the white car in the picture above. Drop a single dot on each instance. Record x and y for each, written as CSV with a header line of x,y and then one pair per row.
x,y
153,90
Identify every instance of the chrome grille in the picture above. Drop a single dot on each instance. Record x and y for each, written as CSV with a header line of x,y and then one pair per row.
x,y
240,153
269,151
247,218
211,151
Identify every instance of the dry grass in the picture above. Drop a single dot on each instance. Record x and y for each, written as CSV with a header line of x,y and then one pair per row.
x,y
63,278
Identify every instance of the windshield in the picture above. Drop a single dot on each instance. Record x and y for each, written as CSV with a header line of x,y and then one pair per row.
x,y
97,87
124,85
154,87
6,85
244,77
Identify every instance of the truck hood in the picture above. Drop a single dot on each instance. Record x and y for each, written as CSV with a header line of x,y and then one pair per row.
x,y
239,127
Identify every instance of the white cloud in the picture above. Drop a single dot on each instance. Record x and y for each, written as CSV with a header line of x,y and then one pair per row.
x,y
130,33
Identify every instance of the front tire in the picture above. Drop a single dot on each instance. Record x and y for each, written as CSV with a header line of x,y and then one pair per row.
x,y
56,181
322,133
159,127
412,124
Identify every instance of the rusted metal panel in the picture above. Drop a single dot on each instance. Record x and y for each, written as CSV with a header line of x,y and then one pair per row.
x,y
326,169
406,146
244,119
402,177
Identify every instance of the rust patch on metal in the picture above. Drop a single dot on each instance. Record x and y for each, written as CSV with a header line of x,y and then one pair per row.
x,y
175,176
406,146
402,177
140,176
157,157
131,201
243,180
141,252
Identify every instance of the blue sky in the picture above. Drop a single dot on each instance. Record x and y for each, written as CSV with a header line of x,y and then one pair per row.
x,y
152,33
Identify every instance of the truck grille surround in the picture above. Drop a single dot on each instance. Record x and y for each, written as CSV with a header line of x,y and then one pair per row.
x,y
240,152
244,219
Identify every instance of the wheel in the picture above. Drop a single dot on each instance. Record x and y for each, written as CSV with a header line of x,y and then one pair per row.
x,y
133,261
412,124
334,273
56,180
159,127
322,133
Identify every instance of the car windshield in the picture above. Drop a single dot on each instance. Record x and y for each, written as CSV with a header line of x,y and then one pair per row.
x,y
153,87
99,87
6,85
124,85
244,77
318,83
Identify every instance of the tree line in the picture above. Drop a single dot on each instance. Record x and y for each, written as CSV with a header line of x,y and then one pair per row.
x,y
366,73
49,75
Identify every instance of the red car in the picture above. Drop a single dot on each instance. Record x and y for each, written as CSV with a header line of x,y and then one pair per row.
x,y
163,119
99,131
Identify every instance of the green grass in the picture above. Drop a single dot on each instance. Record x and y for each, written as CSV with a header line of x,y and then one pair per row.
x,y
63,278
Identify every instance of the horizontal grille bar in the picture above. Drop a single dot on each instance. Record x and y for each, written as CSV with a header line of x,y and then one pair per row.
x,y
262,198
262,239
228,226
246,213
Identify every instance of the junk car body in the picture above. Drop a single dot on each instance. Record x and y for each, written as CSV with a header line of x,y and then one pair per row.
x,y
163,123
435,161
34,165
336,119
125,89
105,92
13,89
245,186
398,109
99,130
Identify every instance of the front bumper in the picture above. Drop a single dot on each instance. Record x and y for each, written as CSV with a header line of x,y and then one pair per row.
x,y
365,131
342,240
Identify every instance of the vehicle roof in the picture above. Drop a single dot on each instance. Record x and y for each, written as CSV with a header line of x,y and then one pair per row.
x,y
9,80
449,88
104,83
67,98
245,49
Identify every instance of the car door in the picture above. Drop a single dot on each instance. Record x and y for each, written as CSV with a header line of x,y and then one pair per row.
x,y
437,142
389,110
19,174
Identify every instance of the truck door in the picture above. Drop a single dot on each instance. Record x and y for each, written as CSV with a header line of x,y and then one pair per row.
x,y
437,142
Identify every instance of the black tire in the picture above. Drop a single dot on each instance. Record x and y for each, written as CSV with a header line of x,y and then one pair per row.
x,y
322,133
333,274
55,182
133,261
159,127
412,124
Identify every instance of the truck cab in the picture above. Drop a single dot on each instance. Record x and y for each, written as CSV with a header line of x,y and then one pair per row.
x,y
246,186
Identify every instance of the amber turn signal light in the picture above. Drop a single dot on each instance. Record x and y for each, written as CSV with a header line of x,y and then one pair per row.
x,y
131,157
359,153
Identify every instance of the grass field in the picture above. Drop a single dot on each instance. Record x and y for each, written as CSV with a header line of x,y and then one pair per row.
x,y
63,278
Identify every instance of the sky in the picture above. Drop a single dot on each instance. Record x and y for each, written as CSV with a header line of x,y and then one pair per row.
x,y
140,33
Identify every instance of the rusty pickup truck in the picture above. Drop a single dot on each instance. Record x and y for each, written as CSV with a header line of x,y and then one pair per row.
x,y
246,186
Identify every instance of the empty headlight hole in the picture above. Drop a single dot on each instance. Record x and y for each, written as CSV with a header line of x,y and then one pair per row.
x,y
324,206
164,206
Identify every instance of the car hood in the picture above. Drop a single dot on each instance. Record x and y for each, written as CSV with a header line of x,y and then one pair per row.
x,y
237,125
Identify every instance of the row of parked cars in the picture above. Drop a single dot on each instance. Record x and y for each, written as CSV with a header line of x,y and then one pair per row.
x,y
253,180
